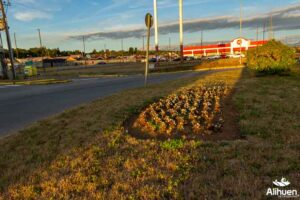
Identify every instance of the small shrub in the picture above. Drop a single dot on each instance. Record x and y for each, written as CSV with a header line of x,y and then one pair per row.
x,y
271,58
172,144
219,63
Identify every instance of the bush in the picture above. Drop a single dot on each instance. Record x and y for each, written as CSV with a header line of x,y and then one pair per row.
x,y
271,58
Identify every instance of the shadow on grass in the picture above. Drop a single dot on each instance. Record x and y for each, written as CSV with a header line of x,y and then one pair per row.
x,y
34,149
39,145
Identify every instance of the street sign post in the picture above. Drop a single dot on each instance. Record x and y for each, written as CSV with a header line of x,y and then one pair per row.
x,y
149,24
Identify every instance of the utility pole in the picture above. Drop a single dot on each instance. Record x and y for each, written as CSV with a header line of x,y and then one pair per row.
x,y
264,31
241,29
6,27
169,43
42,49
122,47
271,35
201,38
40,37
16,45
2,59
143,43
170,53
105,55
156,30
83,53
257,32
256,44
181,29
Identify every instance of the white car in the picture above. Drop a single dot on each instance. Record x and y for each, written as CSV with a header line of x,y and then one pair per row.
x,y
236,56
213,57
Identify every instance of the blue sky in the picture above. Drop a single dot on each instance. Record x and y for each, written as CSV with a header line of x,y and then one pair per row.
x,y
60,19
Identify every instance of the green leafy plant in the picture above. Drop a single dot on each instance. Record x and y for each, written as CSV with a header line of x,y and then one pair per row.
x,y
271,58
172,144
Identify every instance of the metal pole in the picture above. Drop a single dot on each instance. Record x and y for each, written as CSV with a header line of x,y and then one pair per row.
x,y
41,47
256,44
143,43
40,37
2,57
264,31
241,29
156,29
201,38
122,47
170,53
271,35
181,29
147,52
17,51
83,53
105,55
11,54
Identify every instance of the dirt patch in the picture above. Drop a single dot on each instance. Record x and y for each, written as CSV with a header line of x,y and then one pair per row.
x,y
204,113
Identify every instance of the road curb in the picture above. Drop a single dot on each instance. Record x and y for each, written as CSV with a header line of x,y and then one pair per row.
x,y
35,82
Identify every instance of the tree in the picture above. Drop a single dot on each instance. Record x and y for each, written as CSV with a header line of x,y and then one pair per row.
x,y
131,50
272,58
94,52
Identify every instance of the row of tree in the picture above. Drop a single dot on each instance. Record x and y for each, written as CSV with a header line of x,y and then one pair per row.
x,y
39,52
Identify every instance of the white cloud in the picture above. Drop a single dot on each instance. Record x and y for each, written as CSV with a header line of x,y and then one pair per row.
x,y
285,18
31,15
25,1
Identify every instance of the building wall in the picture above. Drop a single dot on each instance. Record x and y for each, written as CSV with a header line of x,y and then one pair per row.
x,y
234,47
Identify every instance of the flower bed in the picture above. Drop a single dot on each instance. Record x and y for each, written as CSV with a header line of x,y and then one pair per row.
x,y
191,112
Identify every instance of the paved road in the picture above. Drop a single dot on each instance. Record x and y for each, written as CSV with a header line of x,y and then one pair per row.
x,y
22,105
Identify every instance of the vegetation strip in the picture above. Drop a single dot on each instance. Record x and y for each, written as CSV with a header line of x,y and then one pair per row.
x,y
36,82
84,153
102,76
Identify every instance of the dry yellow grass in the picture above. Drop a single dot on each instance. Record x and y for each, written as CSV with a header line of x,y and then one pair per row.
x,y
84,154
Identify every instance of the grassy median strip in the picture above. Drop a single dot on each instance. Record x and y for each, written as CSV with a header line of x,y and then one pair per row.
x,y
102,76
35,82
85,154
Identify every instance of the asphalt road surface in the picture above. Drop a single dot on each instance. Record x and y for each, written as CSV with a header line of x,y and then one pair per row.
x,y
22,105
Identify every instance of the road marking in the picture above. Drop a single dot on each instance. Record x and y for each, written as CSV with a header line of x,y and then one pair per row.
x,y
8,86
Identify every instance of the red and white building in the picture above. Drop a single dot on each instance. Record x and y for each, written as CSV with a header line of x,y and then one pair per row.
x,y
234,47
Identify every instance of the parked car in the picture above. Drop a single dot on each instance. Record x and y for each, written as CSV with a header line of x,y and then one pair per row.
x,y
189,58
176,59
236,55
152,60
102,62
163,59
215,57
224,56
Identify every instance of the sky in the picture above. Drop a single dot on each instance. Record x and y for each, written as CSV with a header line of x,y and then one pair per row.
x,y
105,22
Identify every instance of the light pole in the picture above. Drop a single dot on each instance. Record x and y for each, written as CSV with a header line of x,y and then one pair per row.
x,y
241,29
83,53
156,29
122,47
181,29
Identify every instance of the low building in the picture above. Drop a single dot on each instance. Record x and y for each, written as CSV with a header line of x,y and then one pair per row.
x,y
54,62
234,47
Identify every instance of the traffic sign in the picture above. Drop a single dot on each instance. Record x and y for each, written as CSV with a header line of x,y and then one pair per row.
x,y
149,20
